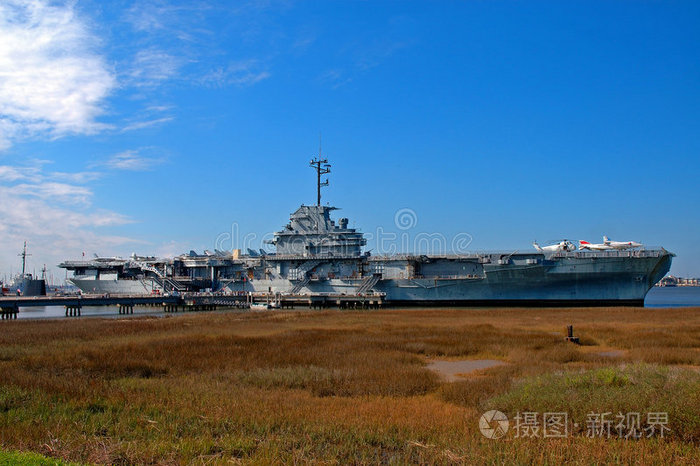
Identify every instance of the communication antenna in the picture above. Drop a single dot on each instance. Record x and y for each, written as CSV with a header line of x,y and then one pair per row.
x,y
24,256
322,167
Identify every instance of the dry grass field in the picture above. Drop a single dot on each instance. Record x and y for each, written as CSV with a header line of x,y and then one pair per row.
x,y
345,386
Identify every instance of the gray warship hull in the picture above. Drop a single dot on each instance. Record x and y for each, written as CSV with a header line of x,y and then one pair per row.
x,y
143,286
578,278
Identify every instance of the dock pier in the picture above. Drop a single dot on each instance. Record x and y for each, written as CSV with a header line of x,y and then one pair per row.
x,y
73,310
317,300
9,311
9,306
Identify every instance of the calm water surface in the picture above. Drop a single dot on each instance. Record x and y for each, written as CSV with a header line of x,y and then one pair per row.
x,y
52,312
657,297
671,296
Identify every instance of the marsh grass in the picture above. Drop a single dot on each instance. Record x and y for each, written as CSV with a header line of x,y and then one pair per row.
x,y
15,458
638,388
345,387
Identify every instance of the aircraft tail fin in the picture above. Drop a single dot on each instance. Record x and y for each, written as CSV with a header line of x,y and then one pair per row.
x,y
606,240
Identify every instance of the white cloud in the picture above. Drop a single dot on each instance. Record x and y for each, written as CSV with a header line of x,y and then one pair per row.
x,y
38,216
54,217
131,160
34,173
52,81
9,173
171,248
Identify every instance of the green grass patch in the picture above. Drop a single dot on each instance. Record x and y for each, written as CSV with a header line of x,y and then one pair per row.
x,y
14,458
639,388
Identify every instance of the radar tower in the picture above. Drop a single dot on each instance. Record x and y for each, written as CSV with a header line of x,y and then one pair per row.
x,y
24,256
322,167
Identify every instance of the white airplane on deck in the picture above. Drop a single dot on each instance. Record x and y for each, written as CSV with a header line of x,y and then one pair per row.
x,y
563,245
593,247
621,244
608,245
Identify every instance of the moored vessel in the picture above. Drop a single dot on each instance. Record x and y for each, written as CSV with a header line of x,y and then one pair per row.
x,y
314,255
26,284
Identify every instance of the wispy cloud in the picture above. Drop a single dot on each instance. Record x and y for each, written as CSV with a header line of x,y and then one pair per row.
x,y
243,73
335,77
178,21
10,173
362,58
378,52
55,192
78,177
158,108
30,181
131,160
52,80
152,66
54,232
55,216
177,44
34,171
361,54
146,123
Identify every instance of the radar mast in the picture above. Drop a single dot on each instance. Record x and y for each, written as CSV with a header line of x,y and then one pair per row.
x,y
322,167
24,255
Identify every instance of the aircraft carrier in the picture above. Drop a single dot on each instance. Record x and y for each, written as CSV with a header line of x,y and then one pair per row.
x,y
315,255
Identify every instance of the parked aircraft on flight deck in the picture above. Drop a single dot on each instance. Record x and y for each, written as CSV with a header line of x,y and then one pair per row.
x,y
563,245
608,245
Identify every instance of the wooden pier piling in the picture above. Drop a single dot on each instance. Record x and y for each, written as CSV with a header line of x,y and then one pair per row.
x,y
9,312
73,310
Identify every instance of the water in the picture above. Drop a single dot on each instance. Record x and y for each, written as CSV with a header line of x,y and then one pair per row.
x,y
657,297
53,312
671,296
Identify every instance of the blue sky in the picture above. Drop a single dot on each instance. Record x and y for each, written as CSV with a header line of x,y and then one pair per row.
x,y
156,127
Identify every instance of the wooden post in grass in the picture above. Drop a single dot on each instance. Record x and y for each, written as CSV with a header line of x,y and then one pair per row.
x,y
570,335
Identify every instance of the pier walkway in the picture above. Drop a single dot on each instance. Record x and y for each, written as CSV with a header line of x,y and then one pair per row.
x,y
10,305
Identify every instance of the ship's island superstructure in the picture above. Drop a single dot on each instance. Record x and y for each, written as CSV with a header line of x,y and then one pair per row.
x,y
314,255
